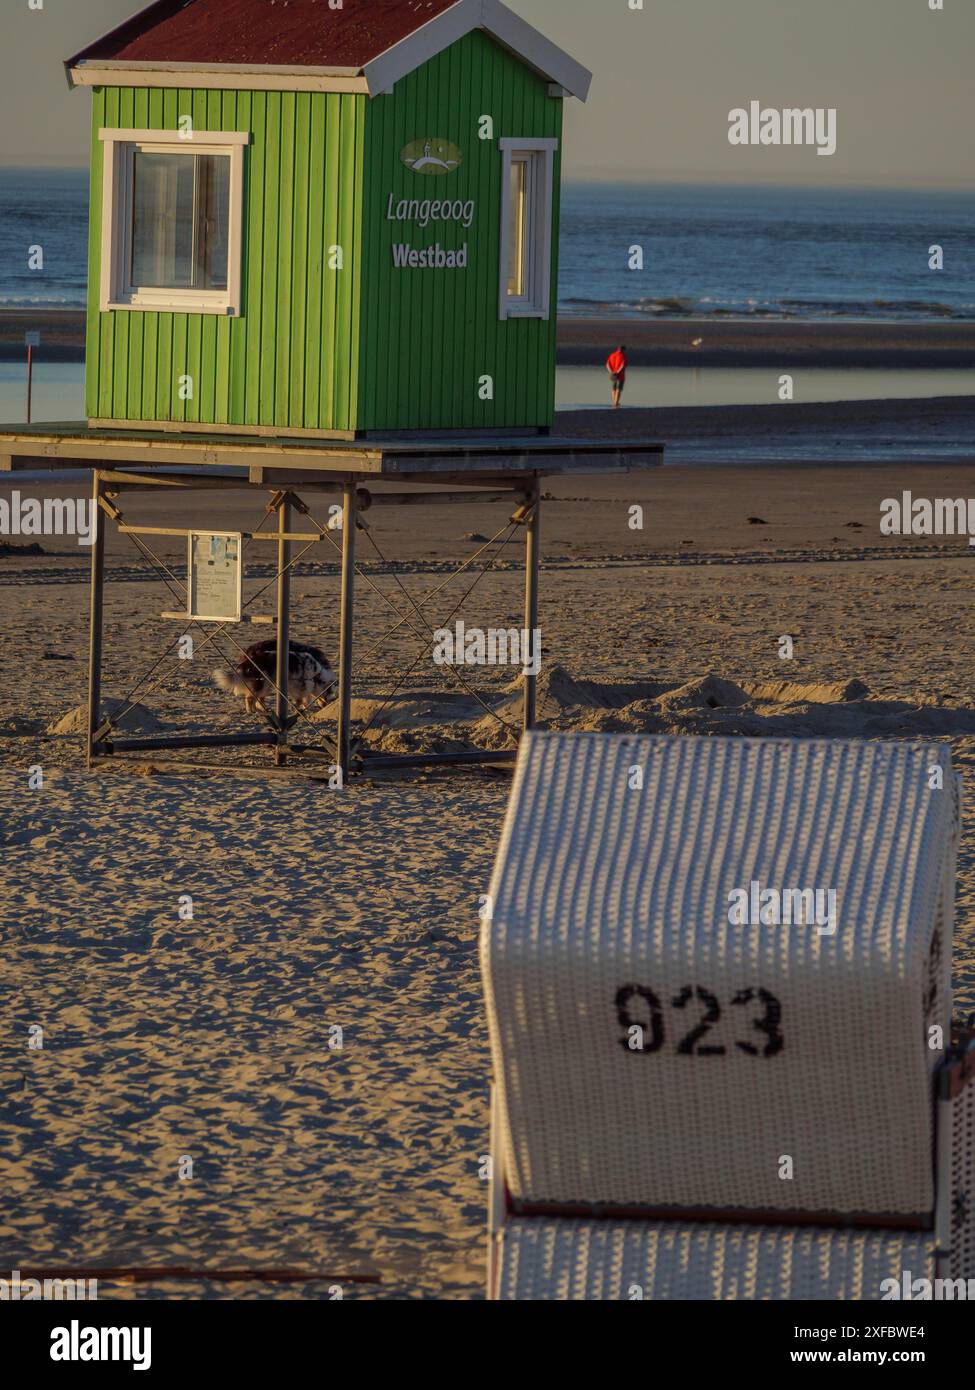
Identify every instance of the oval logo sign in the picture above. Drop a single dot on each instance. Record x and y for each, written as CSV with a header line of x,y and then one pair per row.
x,y
432,157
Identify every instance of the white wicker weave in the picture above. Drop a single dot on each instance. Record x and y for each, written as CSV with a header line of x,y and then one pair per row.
x,y
602,1260
600,887
962,1261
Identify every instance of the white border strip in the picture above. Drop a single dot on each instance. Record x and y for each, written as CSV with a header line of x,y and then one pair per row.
x,y
521,39
168,137
281,69
222,79
533,48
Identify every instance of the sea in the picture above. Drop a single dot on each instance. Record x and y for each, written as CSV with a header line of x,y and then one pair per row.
x,y
773,253
46,208
707,252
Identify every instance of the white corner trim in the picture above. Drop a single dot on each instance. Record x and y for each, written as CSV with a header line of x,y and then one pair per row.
x,y
217,79
265,69
167,137
527,43
114,292
521,39
530,143
109,246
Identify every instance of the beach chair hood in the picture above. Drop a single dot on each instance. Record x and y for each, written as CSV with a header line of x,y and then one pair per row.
x,y
664,1040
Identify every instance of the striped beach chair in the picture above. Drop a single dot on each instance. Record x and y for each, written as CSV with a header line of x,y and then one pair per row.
x,y
717,975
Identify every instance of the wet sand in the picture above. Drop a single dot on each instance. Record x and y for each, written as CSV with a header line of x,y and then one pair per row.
x,y
718,342
653,342
838,434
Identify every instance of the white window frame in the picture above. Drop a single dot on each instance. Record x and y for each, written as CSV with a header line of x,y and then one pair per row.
x,y
537,301
120,148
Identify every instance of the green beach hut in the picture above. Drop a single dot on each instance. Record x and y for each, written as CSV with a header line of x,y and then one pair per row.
x,y
324,217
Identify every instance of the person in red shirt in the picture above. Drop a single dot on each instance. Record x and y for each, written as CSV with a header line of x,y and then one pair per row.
x,y
616,366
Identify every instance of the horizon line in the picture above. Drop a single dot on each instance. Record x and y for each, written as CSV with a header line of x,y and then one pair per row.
x,y
593,179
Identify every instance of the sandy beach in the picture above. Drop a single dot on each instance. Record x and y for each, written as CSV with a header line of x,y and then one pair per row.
x,y
315,910
299,1002
660,342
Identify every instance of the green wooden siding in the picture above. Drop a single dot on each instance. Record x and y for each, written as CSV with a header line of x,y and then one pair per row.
x,y
427,337
368,346
291,359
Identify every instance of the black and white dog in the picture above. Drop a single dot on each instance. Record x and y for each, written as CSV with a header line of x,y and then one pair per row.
x,y
310,677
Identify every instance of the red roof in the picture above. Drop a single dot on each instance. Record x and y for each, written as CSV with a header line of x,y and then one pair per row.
x,y
279,33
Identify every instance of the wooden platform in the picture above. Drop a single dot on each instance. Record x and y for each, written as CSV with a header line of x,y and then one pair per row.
x,y
132,460
284,460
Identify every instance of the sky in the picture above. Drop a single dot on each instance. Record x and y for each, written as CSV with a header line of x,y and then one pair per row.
x,y
667,75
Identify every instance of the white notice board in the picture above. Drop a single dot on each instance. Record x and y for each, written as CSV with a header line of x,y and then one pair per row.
x,y
214,569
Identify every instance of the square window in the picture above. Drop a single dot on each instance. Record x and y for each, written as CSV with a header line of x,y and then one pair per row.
x,y
172,221
526,228
180,221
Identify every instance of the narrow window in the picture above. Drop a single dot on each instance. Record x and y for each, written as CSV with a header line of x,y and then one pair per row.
x,y
172,222
518,184
526,228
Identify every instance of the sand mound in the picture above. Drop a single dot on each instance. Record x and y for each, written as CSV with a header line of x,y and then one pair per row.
x,y
713,705
710,692
445,721
794,693
433,739
556,685
135,720
558,690
844,719
416,710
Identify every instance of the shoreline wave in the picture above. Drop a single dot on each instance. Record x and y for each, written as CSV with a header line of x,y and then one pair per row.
x,y
784,310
